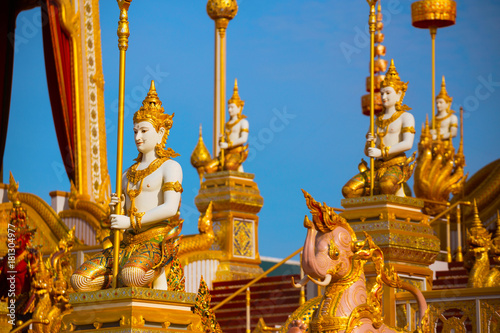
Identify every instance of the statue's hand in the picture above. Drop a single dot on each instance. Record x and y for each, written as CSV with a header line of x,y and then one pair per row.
x,y
369,137
119,221
114,200
224,145
374,152
434,134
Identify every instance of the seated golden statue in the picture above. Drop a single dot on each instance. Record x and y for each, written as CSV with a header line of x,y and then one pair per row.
x,y
446,120
152,189
234,150
394,135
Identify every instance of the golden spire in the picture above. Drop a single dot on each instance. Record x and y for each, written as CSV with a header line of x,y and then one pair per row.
x,y
476,222
443,93
235,99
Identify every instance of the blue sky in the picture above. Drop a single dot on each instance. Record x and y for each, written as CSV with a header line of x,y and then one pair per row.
x,y
301,68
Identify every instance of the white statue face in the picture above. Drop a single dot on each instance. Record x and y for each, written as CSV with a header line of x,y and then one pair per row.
x,y
441,105
389,96
146,136
233,109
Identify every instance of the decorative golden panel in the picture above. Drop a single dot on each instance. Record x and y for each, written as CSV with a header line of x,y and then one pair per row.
x,y
243,238
490,315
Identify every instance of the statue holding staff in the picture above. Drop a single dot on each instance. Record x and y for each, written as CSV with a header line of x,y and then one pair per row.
x,y
394,134
152,188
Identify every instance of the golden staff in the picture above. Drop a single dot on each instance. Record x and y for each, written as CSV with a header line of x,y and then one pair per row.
x,y
372,24
123,33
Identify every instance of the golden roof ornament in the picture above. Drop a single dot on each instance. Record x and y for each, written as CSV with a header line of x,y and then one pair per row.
x,y
476,222
153,112
426,14
200,156
235,99
443,93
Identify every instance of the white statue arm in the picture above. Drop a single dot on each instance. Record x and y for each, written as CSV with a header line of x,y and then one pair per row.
x,y
407,143
453,128
172,172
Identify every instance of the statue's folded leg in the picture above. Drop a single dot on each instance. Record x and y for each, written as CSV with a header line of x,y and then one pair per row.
x,y
356,186
390,182
139,270
95,273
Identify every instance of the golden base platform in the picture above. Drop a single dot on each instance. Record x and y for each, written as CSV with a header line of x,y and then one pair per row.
x,y
402,231
132,310
236,201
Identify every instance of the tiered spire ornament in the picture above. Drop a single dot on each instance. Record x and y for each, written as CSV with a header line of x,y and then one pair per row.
x,y
380,66
443,93
433,14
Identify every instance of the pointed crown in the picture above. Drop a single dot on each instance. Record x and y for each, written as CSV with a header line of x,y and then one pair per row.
x,y
444,94
392,79
152,111
235,99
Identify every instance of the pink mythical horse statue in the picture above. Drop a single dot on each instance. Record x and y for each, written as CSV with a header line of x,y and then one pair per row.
x,y
334,259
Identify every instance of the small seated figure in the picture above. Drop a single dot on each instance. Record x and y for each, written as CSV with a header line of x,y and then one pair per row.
x,y
234,150
152,189
446,120
394,136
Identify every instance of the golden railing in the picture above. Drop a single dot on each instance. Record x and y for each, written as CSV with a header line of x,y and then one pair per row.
x,y
256,279
447,212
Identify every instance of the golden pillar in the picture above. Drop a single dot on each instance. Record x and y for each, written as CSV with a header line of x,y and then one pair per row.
x,y
433,14
221,11
236,201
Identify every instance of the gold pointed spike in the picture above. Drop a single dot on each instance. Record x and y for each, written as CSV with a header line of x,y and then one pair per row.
x,y
443,93
476,223
235,99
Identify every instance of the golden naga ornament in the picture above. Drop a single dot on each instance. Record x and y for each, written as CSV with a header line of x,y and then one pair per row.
x,y
439,169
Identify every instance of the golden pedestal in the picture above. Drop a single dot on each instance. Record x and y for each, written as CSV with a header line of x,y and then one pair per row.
x,y
401,230
5,326
132,310
236,202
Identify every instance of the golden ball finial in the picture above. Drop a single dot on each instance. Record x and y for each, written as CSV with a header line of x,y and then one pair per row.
x,y
443,93
222,9
426,14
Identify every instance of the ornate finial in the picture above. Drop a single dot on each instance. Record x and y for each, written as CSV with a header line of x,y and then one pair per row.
x,y
12,192
200,156
222,9
476,222
444,94
235,99
202,308
428,14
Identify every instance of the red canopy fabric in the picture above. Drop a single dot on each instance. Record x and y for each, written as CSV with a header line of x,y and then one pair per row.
x,y
58,65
